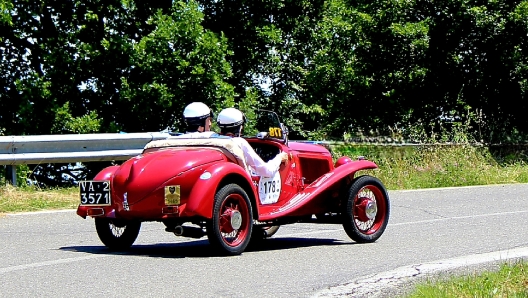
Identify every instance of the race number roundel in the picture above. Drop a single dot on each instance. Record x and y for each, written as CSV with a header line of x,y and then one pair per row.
x,y
269,189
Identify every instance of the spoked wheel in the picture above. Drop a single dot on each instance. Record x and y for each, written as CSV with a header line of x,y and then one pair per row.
x,y
117,234
230,228
367,209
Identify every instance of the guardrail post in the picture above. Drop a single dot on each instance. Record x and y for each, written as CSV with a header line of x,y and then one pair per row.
x,y
11,174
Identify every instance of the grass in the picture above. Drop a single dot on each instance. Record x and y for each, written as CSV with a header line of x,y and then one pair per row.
x,y
511,280
431,166
26,199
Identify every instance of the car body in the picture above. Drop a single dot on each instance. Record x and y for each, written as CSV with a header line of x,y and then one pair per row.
x,y
202,187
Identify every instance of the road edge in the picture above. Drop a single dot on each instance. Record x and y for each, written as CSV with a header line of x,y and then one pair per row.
x,y
393,281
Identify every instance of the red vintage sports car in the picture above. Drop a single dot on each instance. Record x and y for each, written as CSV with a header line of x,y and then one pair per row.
x,y
199,187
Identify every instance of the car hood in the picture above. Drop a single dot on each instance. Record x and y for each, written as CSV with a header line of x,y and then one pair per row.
x,y
143,174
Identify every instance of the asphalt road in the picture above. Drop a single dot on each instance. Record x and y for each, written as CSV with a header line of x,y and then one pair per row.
x,y
59,254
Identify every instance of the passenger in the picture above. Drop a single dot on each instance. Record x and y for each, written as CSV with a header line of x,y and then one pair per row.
x,y
231,122
198,118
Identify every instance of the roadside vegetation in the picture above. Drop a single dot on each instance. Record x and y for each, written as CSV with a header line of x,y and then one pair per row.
x,y
430,166
27,199
511,280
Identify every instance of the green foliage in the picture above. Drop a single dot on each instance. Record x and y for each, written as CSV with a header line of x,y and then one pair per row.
x,y
509,281
177,63
327,67
248,105
430,166
5,15
66,123
22,173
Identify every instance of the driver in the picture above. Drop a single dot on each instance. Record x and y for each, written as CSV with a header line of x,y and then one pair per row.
x,y
231,122
198,118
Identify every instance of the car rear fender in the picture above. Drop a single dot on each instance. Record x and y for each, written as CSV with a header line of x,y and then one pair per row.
x,y
106,173
201,198
311,193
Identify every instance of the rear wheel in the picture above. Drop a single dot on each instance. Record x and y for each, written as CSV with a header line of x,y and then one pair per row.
x,y
366,210
230,228
117,234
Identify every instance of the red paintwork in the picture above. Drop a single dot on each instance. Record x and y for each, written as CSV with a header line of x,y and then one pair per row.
x,y
311,199
310,183
203,191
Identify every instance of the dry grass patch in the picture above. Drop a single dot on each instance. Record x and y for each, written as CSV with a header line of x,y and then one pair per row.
x,y
13,199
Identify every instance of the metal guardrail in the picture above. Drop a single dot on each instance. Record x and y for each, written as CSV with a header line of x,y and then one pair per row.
x,y
18,150
71,148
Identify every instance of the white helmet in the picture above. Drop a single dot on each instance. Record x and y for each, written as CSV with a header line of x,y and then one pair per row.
x,y
197,110
230,117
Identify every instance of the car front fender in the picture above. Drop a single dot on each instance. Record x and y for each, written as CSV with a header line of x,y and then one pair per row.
x,y
201,198
299,204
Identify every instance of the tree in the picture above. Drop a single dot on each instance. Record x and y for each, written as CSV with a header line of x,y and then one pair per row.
x,y
177,63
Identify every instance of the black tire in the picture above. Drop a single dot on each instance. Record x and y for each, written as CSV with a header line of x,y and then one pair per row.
x,y
230,229
366,210
117,234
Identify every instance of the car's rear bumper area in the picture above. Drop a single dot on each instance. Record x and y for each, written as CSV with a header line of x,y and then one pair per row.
x,y
96,211
165,212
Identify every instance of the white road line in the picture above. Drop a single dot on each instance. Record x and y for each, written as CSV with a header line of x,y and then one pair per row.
x,y
454,187
374,285
48,263
414,222
311,232
458,217
41,212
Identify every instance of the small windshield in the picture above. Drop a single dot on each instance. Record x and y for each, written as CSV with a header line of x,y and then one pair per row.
x,y
268,121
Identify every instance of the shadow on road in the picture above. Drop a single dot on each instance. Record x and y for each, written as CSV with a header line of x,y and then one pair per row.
x,y
202,249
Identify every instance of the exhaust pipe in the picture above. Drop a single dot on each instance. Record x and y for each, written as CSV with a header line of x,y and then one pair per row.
x,y
192,232
178,230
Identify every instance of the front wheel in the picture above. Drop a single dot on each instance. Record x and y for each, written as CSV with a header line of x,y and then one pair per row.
x,y
366,210
117,234
230,228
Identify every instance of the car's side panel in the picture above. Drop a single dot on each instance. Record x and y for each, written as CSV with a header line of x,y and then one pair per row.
x,y
288,172
311,199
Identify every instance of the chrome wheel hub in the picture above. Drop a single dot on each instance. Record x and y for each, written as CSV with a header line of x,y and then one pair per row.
x,y
236,219
371,209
